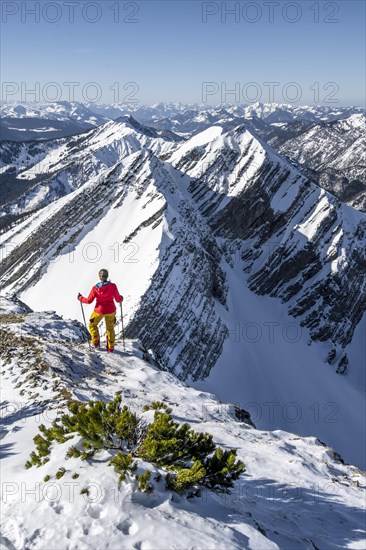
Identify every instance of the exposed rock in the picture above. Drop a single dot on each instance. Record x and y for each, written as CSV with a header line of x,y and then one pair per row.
x,y
331,357
342,366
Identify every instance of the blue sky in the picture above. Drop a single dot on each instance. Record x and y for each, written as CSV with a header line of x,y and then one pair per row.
x,y
191,51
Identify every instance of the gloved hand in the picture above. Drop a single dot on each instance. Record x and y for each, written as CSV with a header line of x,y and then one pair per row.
x,y
121,298
79,296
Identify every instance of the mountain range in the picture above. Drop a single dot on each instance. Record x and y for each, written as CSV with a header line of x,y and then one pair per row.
x,y
241,274
327,143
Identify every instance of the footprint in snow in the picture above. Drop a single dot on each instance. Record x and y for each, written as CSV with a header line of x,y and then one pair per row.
x,y
36,535
57,508
97,511
93,512
127,527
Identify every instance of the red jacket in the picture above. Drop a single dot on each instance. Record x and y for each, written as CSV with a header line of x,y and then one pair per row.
x,y
105,294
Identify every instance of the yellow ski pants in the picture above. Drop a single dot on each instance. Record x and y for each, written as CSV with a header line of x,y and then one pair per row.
x,y
94,321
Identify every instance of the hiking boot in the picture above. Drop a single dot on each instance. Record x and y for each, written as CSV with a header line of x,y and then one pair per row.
x,y
110,350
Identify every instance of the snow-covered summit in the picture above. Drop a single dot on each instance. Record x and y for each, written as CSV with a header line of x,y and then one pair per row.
x,y
295,492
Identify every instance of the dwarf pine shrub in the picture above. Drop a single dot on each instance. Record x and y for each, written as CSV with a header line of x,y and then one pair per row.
x,y
189,459
60,473
123,464
144,484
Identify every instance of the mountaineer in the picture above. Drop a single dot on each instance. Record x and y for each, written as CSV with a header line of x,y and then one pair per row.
x,y
105,294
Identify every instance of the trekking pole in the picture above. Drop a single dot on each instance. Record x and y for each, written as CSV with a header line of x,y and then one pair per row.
x,y
82,311
123,330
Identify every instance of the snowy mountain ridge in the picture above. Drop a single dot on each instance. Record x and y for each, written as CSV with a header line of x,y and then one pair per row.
x,y
53,169
326,142
295,491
